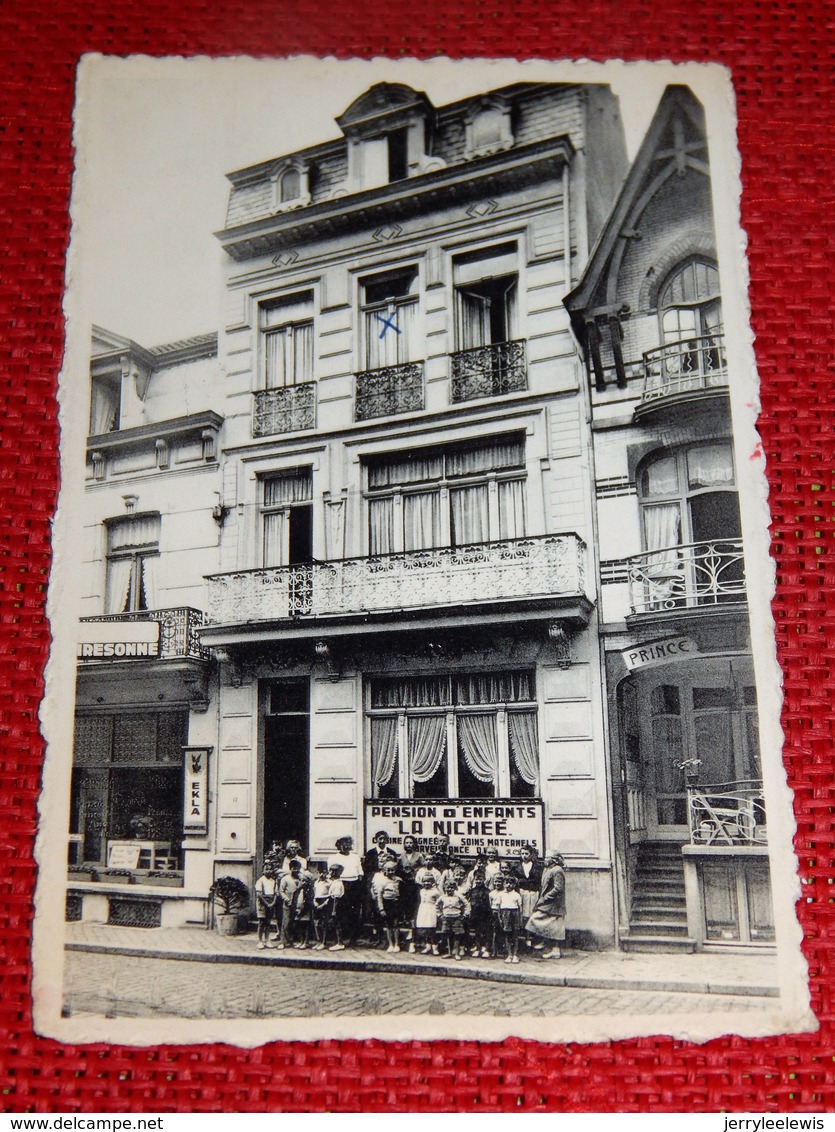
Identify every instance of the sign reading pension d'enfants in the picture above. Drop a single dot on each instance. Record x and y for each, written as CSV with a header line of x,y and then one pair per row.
x,y
471,827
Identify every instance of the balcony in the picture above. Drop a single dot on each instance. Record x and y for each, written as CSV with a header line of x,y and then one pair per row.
x,y
384,392
548,567
178,635
489,371
685,577
680,370
288,409
727,813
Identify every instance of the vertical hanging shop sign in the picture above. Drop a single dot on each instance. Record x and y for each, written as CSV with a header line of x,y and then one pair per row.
x,y
196,787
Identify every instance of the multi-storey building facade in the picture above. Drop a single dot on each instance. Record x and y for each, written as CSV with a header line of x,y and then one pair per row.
x,y
143,687
682,709
358,531
404,611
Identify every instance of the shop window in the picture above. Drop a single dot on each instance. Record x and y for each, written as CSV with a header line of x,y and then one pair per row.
x,y
468,736
287,518
132,558
127,781
447,497
389,319
105,404
287,336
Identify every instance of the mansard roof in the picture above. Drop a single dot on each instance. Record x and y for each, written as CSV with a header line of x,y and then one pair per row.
x,y
675,142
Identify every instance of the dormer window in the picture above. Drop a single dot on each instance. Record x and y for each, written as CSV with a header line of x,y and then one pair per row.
x,y
388,133
291,186
105,404
488,127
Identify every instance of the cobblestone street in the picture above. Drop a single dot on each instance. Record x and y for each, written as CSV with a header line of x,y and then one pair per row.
x,y
134,986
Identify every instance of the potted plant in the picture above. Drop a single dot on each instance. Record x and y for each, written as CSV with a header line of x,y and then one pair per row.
x,y
230,896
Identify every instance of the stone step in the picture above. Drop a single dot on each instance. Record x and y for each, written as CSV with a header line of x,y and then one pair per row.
x,y
658,927
654,943
664,911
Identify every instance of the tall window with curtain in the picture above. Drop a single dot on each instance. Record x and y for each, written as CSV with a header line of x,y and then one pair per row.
x,y
459,496
287,337
132,558
689,496
389,320
690,515
286,518
486,287
461,736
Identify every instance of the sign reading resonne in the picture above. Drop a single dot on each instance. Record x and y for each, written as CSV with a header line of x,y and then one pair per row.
x,y
117,640
471,827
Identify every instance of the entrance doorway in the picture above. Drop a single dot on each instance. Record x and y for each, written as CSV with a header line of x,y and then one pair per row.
x,y
286,777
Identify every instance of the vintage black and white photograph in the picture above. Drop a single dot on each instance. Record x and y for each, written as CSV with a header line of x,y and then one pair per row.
x,y
413,669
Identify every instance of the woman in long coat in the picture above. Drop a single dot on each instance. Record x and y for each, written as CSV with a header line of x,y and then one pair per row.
x,y
548,917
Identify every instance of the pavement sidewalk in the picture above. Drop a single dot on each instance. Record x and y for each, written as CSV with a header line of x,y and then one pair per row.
x,y
729,973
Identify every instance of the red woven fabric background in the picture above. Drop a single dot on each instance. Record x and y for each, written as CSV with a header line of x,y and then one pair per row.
x,y
781,58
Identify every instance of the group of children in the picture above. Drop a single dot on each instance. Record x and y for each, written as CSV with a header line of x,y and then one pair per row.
x,y
432,906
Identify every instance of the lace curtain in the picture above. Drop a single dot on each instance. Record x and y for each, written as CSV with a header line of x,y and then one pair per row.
x,y
523,745
478,743
383,749
118,584
427,745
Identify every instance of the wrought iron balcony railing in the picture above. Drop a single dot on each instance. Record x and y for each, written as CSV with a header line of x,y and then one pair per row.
x,y
489,371
692,365
727,813
544,566
383,392
678,577
178,636
291,408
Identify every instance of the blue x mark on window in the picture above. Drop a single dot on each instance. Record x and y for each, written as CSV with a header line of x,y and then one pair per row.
x,y
389,323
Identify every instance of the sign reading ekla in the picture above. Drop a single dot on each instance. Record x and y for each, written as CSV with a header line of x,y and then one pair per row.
x,y
117,640
471,827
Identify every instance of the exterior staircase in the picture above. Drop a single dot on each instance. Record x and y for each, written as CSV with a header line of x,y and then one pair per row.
x,y
658,916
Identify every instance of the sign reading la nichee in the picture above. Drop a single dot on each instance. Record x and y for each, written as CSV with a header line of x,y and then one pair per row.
x,y
470,826
117,640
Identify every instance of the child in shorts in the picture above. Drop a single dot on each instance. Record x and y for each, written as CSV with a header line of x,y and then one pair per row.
x,y
452,908
480,917
336,910
510,915
320,909
292,893
266,899
386,890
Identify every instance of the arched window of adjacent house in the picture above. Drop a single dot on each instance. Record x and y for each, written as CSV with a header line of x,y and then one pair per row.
x,y
691,526
690,314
